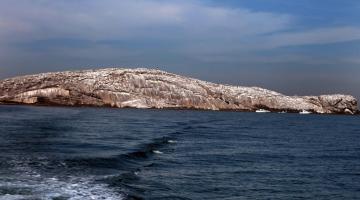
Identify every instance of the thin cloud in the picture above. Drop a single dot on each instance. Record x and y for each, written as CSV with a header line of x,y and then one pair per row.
x,y
112,19
315,36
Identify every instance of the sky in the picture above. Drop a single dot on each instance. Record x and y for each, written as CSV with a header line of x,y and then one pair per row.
x,y
299,47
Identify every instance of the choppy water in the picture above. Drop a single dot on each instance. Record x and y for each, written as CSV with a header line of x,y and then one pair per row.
x,y
91,153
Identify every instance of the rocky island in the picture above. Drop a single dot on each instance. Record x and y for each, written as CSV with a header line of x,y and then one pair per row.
x,y
149,88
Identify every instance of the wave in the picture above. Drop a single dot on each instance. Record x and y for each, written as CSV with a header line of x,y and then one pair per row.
x,y
128,166
123,161
52,188
113,177
27,180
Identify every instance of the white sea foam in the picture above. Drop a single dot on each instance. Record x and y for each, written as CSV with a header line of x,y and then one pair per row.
x,y
75,189
82,188
25,182
157,152
171,141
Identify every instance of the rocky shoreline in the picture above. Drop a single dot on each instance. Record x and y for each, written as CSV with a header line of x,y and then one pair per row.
x,y
148,88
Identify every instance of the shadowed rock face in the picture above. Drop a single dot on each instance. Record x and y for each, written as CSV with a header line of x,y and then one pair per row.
x,y
146,88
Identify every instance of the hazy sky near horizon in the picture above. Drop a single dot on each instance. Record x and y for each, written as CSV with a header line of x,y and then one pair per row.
x,y
304,47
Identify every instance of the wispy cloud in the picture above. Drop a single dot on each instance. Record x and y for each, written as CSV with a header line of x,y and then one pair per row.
x,y
112,19
197,26
314,36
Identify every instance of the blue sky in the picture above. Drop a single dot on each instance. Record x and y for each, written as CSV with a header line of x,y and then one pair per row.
x,y
305,47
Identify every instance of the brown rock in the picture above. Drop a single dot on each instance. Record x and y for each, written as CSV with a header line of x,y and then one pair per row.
x,y
147,88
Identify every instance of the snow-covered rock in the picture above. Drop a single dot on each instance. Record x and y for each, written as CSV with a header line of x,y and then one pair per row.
x,y
149,88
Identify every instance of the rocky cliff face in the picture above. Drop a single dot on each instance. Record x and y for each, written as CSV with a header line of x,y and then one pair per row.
x,y
146,88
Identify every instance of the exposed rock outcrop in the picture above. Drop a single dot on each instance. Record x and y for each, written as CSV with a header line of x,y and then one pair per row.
x,y
147,88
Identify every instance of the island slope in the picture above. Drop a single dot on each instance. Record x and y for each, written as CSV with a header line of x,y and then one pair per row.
x,y
148,88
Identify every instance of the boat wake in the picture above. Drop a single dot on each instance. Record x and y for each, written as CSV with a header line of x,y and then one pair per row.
x,y
125,169
37,177
27,182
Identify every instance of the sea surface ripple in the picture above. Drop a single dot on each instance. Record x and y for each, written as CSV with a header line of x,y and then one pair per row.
x,y
55,153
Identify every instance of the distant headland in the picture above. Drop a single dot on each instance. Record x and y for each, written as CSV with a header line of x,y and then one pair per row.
x,y
149,88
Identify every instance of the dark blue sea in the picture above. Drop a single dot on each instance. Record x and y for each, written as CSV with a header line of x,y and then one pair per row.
x,y
102,153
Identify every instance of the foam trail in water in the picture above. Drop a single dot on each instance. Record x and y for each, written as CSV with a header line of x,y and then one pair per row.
x,y
27,182
52,188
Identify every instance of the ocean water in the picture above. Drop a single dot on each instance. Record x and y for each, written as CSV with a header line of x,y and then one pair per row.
x,y
101,153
